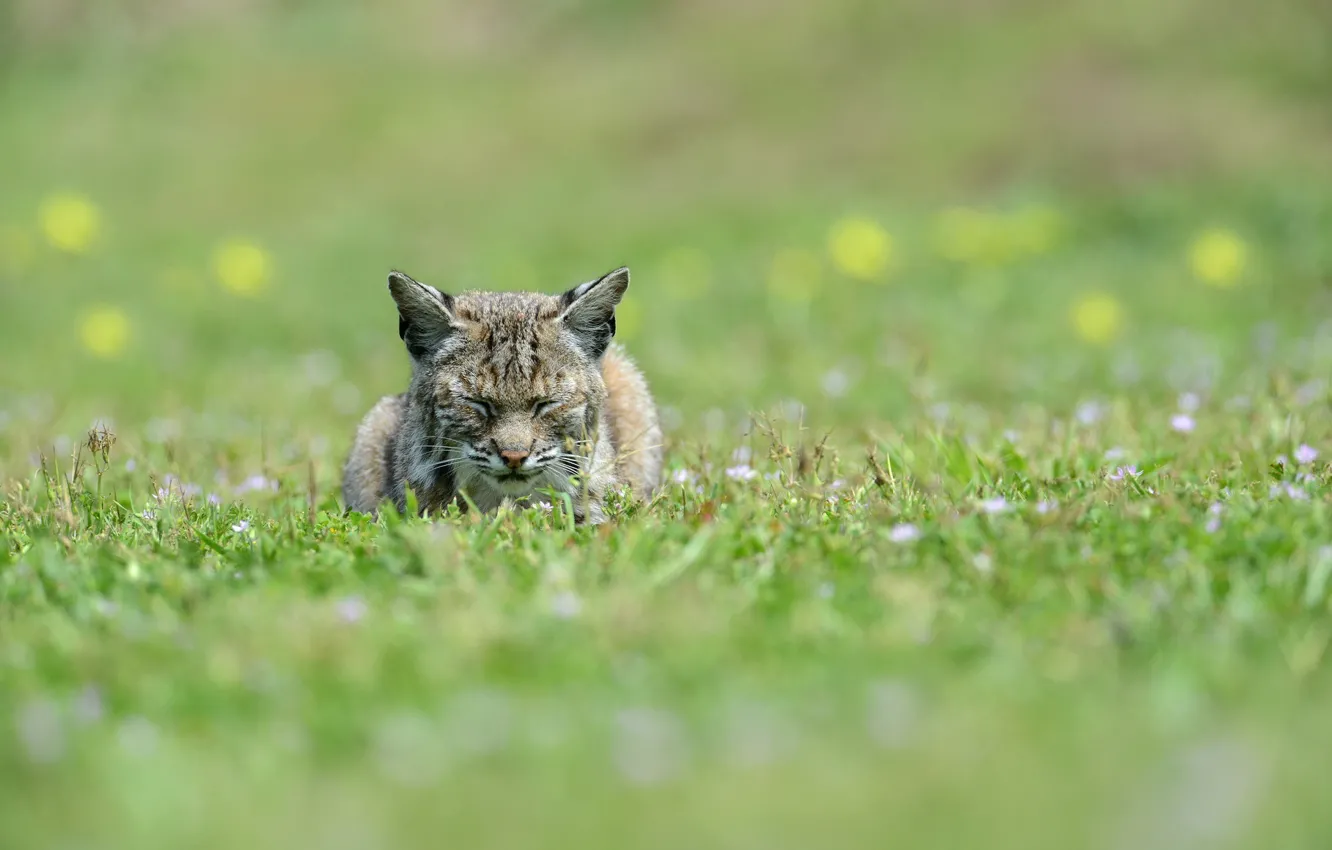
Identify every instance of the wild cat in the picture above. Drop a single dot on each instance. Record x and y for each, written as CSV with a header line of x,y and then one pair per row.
x,y
511,394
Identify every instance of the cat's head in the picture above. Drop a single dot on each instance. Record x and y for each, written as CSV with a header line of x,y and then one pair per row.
x,y
509,384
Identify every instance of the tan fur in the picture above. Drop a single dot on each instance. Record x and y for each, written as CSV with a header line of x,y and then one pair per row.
x,y
365,478
512,395
632,418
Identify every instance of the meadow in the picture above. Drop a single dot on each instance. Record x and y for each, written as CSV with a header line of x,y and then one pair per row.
x,y
993,345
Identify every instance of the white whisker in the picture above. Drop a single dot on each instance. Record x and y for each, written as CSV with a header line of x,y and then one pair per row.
x,y
446,463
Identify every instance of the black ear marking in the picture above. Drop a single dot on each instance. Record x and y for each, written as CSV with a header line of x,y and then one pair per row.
x,y
588,310
425,315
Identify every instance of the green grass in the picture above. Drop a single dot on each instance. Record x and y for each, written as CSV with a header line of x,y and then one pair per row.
x,y
898,588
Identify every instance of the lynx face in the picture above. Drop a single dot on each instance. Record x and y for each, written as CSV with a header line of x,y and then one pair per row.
x,y
507,391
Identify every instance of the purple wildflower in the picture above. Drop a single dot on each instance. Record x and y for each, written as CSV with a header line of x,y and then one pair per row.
x,y
1089,412
741,472
997,505
903,532
351,609
1289,490
256,482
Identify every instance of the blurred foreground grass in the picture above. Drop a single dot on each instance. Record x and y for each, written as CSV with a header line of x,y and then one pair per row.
x,y
1060,270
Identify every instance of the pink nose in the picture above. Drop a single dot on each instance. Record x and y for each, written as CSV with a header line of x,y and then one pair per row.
x,y
514,459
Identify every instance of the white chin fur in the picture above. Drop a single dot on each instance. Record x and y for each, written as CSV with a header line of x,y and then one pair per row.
x,y
514,489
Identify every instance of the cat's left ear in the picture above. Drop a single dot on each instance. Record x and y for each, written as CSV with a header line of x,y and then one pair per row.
x,y
588,311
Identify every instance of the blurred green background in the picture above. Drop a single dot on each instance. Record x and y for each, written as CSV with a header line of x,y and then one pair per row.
x,y
872,213
299,150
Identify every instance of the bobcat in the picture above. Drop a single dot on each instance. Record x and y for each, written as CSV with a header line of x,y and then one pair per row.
x,y
511,394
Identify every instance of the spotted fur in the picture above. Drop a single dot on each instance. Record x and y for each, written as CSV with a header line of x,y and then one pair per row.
x,y
512,394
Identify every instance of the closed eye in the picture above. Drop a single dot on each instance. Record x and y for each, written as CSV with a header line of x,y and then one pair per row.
x,y
544,406
481,406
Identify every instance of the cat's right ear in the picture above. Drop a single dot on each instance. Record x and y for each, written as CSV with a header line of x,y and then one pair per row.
x,y
425,315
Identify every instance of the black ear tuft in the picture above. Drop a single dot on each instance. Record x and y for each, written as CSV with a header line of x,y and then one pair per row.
x,y
588,311
425,315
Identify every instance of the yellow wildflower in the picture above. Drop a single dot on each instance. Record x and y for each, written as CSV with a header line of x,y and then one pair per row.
x,y
242,267
105,331
976,237
1218,257
1098,318
71,223
860,248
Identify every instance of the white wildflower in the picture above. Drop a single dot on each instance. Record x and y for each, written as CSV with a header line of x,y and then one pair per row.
x,y
836,383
